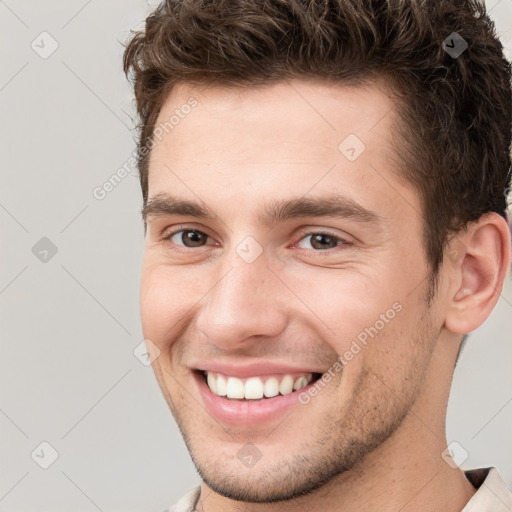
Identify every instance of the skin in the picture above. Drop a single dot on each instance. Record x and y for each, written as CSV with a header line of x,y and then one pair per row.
x,y
372,438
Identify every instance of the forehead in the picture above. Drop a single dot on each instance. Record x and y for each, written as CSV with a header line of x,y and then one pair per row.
x,y
292,111
286,139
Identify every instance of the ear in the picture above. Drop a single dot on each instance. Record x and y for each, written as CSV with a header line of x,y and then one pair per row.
x,y
478,260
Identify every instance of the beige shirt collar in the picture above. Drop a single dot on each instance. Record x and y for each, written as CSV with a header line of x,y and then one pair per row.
x,y
492,495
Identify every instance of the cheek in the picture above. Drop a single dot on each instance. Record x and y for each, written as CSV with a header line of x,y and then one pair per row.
x,y
369,325
346,306
398,354
166,297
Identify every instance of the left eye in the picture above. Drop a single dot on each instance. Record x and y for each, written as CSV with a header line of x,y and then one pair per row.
x,y
321,241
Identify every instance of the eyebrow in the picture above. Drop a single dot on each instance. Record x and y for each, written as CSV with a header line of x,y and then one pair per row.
x,y
332,205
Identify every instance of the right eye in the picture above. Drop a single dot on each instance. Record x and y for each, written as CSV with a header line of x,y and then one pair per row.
x,y
187,238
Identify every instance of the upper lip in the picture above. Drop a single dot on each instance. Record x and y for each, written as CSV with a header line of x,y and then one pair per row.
x,y
252,369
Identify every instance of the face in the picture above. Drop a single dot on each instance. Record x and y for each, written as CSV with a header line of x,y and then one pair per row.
x,y
281,240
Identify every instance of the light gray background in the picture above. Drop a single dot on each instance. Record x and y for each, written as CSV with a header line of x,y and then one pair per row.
x,y
68,375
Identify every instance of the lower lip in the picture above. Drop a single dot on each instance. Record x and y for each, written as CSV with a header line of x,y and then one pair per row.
x,y
247,412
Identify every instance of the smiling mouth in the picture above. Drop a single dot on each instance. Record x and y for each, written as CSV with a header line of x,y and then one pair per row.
x,y
256,388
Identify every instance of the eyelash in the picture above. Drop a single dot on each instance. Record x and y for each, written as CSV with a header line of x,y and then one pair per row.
x,y
167,237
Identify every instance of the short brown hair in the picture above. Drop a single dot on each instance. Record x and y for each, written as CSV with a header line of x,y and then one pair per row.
x,y
455,111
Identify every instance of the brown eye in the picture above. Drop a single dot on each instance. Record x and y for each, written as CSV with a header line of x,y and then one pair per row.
x,y
321,241
188,238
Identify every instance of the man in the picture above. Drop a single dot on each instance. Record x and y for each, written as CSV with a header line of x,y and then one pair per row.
x,y
324,204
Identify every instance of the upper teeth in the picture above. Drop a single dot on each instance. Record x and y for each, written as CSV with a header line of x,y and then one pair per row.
x,y
256,387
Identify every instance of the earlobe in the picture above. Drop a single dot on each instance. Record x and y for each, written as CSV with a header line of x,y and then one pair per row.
x,y
478,274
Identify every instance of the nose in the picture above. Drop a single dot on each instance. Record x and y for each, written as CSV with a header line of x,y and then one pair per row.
x,y
246,300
